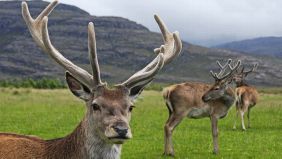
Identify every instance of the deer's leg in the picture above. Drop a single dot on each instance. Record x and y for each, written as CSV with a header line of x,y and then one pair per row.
x,y
172,122
248,115
242,119
214,134
236,117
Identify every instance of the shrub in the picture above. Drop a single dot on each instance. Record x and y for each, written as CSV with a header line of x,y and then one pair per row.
x,y
44,83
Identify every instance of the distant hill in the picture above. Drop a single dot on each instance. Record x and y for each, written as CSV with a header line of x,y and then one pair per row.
x,y
259,46
123,48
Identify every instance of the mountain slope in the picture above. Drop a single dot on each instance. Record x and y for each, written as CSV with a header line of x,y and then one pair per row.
x,y
258,46
123,48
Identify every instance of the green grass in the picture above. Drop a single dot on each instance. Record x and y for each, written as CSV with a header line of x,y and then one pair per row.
x,y
55,113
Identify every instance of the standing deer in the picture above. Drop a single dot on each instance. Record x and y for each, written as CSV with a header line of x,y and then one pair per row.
x,y
199,100
105,126
246,96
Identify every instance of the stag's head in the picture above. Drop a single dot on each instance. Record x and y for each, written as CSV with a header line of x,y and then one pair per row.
x,y
222,80
108,110
240,76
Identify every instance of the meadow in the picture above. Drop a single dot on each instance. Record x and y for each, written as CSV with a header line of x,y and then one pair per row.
x,y
55,113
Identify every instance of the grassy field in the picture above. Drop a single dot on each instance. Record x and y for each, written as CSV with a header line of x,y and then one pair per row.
x,y
55,113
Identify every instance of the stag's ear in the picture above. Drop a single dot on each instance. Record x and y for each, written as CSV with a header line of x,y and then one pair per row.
x,y
77,88
136,90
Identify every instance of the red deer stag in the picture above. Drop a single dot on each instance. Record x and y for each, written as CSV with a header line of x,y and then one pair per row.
x,y
246,96
199,100
105,126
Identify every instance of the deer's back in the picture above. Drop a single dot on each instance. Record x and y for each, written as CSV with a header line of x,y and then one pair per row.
x,y
247,93
14,146
187,94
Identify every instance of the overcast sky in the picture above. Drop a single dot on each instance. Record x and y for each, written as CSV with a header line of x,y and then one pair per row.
x,y
205,22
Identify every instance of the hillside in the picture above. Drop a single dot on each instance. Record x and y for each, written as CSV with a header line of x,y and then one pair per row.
x,y
123,48
259,46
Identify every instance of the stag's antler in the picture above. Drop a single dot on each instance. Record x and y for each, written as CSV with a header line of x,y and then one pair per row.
x,y
220,76
171,49
39,32
223,67
251,70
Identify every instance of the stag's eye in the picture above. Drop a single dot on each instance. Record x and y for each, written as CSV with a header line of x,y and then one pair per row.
x,y
95,107
131,108
216,88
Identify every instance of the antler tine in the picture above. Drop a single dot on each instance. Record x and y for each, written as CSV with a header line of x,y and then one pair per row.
x,y
26,14
177,46
173,44
163,28
219,64
39,32
214,75
82,75
236,66
243,68
232,70
35,24
171,48
251,70
93,54
219,76
147,75
223,67
47,10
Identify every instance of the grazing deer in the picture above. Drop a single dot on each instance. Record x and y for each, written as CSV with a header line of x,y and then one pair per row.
x,y
246,96
105,126
199,100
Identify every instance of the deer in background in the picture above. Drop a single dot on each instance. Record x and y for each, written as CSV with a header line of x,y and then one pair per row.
x,y
199,100
246,96
105,126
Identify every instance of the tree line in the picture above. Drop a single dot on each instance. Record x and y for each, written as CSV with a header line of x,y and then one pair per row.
x,y
43,83
49,83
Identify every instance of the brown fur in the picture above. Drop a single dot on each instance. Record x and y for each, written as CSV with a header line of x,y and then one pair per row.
x,y
247,94
185,100
247,97
13,146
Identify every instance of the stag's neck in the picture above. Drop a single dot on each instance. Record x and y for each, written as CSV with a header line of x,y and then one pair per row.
x,y
71,146
229,97
83,143
97,147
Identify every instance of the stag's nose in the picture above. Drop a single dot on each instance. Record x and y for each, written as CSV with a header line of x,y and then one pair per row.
x,y
121,130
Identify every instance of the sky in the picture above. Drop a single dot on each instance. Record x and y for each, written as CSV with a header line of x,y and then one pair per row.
x,y
202,22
